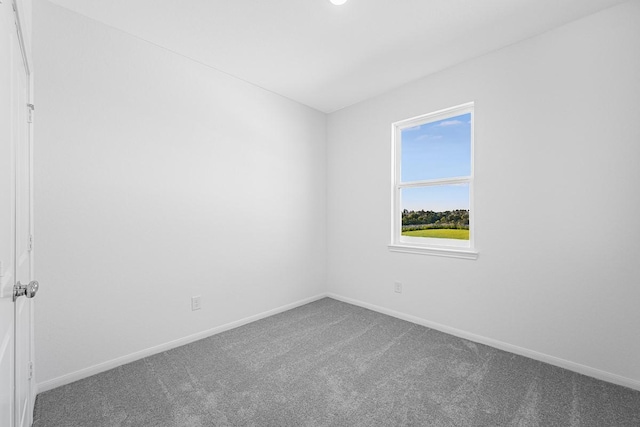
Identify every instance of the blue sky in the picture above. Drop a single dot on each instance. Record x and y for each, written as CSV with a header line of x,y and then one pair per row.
x,y
440,149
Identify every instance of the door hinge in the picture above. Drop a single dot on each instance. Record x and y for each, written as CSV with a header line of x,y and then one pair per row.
x,y
30,370
30,108
30,243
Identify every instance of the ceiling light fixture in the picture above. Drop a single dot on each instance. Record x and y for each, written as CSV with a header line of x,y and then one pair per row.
x,y
338,2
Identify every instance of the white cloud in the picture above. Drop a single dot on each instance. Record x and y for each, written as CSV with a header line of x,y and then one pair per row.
x,y
450,123
430,137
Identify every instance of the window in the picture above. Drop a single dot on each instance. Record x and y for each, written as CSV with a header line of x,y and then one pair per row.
x,y
432,195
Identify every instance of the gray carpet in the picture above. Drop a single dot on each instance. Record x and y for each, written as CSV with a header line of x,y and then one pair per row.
x,y
333,364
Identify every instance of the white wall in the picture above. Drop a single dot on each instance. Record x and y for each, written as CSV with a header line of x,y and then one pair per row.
x,y
557,200
157,179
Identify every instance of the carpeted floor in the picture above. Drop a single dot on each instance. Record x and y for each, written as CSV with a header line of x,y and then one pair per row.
x,y
333,364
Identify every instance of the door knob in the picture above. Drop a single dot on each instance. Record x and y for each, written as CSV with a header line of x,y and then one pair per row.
x,y
29,290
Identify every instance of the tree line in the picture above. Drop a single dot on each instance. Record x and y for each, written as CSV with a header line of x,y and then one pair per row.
x,y
419,220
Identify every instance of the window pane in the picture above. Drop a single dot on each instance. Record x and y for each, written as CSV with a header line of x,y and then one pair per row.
x,y
440,149
440,211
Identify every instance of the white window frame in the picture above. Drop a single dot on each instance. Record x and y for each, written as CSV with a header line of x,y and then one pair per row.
x,y
420,245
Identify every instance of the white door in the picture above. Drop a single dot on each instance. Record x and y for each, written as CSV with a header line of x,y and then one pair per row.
x,y
16,306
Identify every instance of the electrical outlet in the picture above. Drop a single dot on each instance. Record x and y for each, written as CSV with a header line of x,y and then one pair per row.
x,y
196,303
397,287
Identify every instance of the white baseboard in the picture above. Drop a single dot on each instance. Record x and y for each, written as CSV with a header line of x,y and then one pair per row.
x,y
105,366
119,361
552,360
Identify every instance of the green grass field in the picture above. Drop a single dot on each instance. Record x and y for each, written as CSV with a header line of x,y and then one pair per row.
x,y
443,233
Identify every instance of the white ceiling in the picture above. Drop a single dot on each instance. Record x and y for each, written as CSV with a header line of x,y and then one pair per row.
x,y
326,56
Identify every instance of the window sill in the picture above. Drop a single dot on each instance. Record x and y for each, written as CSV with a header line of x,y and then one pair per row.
x,y
421,250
